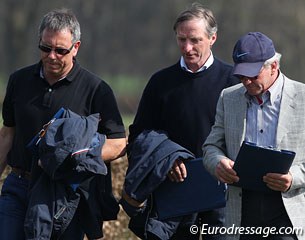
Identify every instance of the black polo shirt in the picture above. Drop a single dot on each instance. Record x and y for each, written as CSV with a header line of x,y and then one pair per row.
x,y
30,102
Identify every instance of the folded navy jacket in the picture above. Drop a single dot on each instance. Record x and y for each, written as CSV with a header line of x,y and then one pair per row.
x,y
72,176
151,156
72,140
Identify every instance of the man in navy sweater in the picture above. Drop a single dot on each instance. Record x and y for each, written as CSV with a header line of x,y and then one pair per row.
x,y
181,99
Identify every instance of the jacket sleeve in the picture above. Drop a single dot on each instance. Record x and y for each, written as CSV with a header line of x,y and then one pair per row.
x,y
214,147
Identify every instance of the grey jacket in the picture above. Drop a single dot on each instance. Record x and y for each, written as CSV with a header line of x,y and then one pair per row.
x,y
228,133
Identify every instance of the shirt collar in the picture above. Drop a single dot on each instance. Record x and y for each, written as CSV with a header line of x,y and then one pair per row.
x,y
276,89
206,65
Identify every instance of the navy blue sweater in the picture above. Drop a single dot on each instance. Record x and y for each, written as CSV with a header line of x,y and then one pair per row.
x,y
183,104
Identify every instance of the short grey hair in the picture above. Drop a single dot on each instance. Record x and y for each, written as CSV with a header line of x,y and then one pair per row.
x,y
276,58
60,19
197,11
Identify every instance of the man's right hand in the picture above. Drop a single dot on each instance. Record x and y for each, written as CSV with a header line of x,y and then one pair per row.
x,y
6,141
224,171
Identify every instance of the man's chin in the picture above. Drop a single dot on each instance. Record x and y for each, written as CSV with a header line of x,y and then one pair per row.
x,y
254,92
191,60
191,64
52,68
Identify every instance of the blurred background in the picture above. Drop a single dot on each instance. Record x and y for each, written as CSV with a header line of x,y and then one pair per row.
x,y
124,42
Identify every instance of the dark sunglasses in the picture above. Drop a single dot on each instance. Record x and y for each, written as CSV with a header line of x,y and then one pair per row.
x,y
244,78
60,51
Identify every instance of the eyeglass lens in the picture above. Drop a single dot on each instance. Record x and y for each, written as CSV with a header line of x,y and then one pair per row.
x,y
60,51
244,78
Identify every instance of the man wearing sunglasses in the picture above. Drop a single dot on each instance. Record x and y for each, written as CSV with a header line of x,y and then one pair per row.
x,y
34,94
266,109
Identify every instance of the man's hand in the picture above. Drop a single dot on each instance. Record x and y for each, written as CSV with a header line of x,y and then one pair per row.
x,y
178,171
6,142
224,171
113,149
278,182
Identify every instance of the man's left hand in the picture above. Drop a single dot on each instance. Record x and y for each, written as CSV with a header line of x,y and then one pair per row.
x,y
278,182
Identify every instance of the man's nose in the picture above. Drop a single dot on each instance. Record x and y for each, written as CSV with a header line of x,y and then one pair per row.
x,y
187,46
52,54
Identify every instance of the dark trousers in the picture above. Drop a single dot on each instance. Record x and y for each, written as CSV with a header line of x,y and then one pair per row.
x,y
13,205
264,210
212,218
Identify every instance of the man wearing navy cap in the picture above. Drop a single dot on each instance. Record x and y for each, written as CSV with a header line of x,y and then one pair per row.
x,y
266,109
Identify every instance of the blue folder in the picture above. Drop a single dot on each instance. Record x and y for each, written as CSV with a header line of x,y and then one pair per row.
x,y
197,193
253,162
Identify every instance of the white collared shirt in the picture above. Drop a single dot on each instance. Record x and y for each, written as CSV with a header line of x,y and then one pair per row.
x,y
206,65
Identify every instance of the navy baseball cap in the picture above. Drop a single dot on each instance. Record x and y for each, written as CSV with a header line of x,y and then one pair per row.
x,y
250,53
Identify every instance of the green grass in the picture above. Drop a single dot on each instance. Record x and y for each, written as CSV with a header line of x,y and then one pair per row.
x,y
127,120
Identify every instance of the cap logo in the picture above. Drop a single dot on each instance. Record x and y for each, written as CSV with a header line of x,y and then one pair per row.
x,y
242,54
